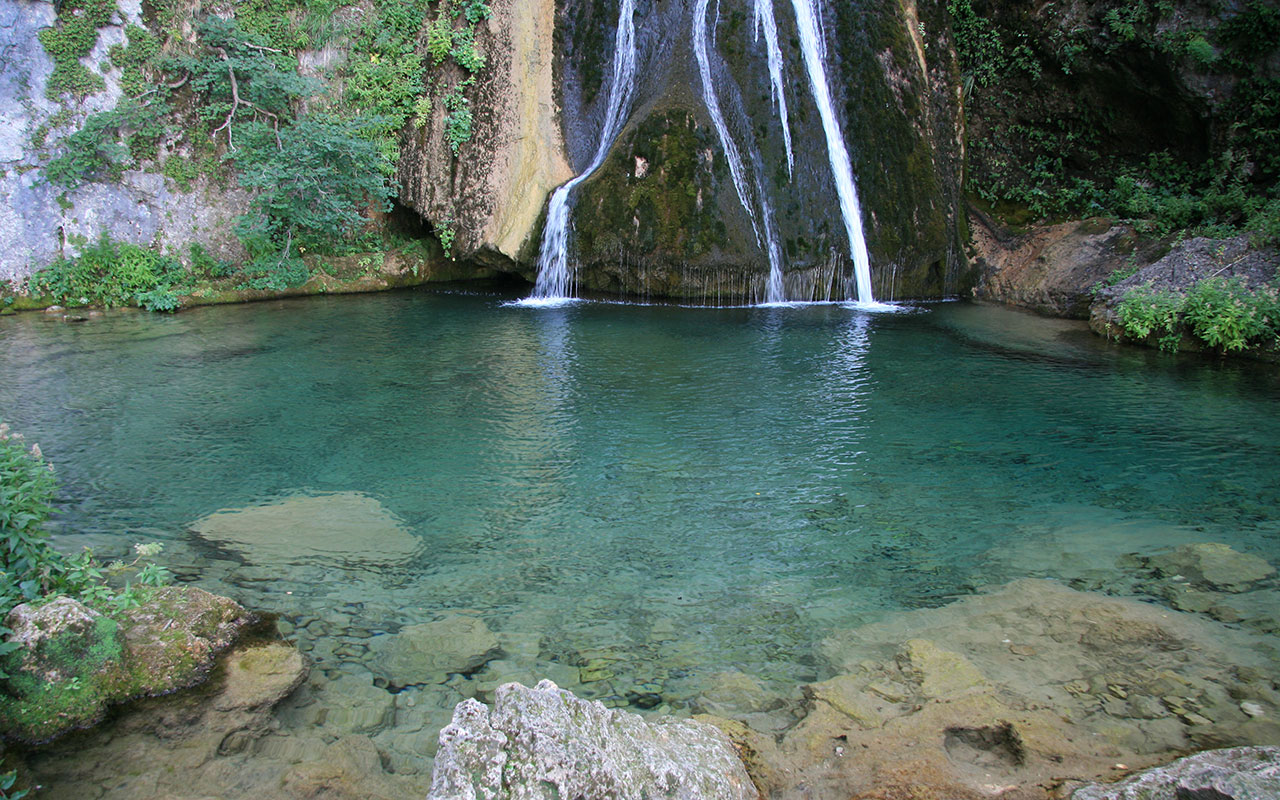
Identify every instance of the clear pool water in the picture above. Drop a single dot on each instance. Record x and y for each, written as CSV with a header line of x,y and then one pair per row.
x,y
685,490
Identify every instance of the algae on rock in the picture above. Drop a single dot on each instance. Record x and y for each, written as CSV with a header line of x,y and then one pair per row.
x,y
74,661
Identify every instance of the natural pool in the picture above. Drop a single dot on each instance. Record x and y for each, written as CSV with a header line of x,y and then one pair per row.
x,y
643,496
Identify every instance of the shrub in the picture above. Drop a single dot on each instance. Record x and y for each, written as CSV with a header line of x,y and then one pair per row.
x,y
71,40
1144,311
311,181
108,143
1225,314
457,123
112,274
28,566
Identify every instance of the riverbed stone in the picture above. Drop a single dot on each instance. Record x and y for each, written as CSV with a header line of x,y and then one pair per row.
x,y
938,672
732,693
543,742
848,695
347,529
431,651
1214,566
1240,773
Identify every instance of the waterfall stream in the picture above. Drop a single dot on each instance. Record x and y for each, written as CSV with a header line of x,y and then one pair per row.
x,y
555,278
763,226
811,44
766,22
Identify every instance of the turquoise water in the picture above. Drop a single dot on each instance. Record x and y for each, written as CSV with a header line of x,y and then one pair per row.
x,y
743,481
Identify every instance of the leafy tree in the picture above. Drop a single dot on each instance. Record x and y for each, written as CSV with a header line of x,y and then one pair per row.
x,y
237,73
312,178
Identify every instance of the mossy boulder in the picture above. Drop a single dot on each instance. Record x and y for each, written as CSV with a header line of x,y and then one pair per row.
x,y
75,661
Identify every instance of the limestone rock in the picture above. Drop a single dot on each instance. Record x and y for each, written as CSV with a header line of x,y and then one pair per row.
x,y
429,652
349,769
347,528
733,693
940,673
544,743
1212,565
846,694
260,677
75,661
58,639
1241,773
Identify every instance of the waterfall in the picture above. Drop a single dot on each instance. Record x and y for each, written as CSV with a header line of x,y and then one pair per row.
x,y
555,278
812,45
774,292
765,22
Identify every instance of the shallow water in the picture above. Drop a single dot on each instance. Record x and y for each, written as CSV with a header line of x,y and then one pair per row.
x,y
674,491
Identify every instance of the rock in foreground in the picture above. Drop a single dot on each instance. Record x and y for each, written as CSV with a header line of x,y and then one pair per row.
x,y
74,661
1240,773
542,743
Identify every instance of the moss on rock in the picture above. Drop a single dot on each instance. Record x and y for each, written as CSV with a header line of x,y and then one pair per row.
x,y
75,661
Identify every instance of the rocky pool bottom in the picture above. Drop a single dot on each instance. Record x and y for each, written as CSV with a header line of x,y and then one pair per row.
x,y
1019,691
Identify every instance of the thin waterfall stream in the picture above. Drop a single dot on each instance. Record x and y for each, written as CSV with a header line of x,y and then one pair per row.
x,y
807,25
555,278
763,227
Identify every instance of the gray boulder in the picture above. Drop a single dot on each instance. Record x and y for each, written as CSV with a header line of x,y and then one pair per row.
x,y
1239,773
544,742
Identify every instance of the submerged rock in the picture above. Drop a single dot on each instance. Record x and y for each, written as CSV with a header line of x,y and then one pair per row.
x,y
74,661
1004,692
430,652
546,743
1214,566
1241,773
347,528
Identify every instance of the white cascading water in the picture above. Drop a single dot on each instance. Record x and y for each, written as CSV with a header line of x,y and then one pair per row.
x,y
774,290
555,279
766,22
812,45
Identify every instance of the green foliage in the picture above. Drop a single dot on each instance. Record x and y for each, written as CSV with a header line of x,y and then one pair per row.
x,y
28,566
1221,312
457,124
446,233
1045,157
7,780
204,264
237,72
465,52
978,43
1144,311
384,74
475,10
1200,51
182,171
440,34
140,54
271,22
71,40
311,180
1224,314
112,274
108,143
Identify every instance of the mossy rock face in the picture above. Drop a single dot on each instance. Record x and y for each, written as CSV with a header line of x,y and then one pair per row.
x,y
75,661
901,104
656,203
